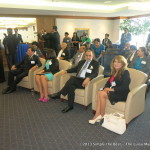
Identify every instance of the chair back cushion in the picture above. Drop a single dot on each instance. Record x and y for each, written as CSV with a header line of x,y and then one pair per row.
x,y
137,78
64,65
101,70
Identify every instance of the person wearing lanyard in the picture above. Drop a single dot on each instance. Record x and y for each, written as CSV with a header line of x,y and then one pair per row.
x,y
86,70
116,88
47,74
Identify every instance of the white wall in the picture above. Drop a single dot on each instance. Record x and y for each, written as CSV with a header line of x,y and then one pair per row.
x,y
98,28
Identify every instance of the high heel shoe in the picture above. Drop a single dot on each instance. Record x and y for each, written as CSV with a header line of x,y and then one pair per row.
x,y
40,99
45,100
97,119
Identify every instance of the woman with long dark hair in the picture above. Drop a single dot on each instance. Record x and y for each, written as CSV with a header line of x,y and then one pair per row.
x,y
47,74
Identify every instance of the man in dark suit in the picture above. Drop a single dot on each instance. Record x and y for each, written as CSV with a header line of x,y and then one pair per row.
x,y
86,70
18,36
54,38
31,61
10,43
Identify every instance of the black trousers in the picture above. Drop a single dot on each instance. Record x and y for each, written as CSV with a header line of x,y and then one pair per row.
x,y
11,60
19,73
69,89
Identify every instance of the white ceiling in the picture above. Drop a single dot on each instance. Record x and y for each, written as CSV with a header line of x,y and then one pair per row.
x,y
98,8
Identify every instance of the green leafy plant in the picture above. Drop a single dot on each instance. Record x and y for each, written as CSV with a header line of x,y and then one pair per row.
x,y
136,26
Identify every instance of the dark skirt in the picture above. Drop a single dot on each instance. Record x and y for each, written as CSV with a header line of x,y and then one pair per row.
x,y
116,97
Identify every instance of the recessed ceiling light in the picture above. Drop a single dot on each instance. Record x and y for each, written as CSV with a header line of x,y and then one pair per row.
x,y
107,2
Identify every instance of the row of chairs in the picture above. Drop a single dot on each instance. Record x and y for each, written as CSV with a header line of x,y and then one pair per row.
x,y
134,106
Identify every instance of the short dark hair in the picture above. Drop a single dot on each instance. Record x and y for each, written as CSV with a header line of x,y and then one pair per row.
x,y
67,33
32,49
97,39
50,53
143,49
35,43
55,28
107,34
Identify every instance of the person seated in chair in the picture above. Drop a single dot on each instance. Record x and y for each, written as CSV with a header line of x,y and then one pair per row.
x,y
86,70
64,53
80,55
141,61
31,61
116,88
47,74
37,49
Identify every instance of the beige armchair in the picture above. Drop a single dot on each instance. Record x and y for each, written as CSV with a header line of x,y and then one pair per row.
x,y
54,85
28,81
135,103
82,96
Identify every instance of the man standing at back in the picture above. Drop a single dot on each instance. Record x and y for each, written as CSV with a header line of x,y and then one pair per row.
x,y
10,43
86,70
31,61
18,36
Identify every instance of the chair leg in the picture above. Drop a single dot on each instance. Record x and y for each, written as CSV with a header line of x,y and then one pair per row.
x,y
85,107
93,112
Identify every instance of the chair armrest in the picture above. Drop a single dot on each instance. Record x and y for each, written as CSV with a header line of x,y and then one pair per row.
x,y
135,103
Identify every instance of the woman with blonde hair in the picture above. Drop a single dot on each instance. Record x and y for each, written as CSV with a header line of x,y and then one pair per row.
x,y
116,88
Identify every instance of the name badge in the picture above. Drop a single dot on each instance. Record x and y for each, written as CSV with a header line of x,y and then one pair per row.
x,y
113,83
32,62
50,62
63,54
143,62
88,71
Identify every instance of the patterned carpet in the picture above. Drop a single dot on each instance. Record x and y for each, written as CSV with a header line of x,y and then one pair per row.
x,y
26,124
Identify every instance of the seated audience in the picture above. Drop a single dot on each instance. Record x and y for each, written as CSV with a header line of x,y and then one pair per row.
x,y
36,48
80,55
98,48
106,40
67,40
108,45
64,53
86,70
128,51
141,61
31,61
85,39
116,88
47,74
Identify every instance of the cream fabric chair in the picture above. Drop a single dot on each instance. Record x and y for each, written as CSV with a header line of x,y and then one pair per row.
x,y
54,85
28,81
135,103
82,96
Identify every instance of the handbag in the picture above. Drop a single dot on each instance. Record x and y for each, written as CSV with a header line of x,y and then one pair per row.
x,y
114,122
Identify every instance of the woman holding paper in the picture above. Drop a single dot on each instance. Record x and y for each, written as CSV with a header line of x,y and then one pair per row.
x,y
47,74
116,89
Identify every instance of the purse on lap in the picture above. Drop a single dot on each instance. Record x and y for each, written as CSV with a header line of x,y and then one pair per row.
x,y
114,122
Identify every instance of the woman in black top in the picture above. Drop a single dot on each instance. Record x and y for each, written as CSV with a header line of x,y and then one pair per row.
x,y
47,74
116,89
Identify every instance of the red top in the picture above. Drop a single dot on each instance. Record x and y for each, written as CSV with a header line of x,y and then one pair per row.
x,y
111,79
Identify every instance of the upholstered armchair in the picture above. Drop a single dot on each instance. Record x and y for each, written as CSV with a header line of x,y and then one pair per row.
x,y
28,81
82,96
54,85
135,103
